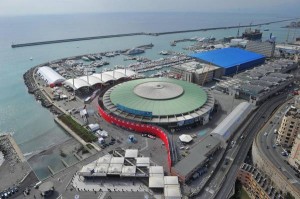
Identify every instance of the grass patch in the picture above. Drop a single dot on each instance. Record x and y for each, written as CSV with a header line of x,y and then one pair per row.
x,y
77,128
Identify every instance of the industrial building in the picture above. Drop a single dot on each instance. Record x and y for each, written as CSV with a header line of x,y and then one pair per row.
x,y
160,101
129,164
231,60
196,72
229,125
197,158
290,124
294,158
257,184
266,48
258,84
51,77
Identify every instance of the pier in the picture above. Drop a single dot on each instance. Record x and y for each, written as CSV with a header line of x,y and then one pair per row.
x,y
139,33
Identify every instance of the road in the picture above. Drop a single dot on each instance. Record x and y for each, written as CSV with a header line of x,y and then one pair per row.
x,y
266,144
221,184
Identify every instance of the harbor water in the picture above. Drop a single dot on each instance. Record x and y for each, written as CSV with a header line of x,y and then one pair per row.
x,y
32,125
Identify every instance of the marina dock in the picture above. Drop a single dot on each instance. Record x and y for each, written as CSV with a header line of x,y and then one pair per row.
x,y
139,33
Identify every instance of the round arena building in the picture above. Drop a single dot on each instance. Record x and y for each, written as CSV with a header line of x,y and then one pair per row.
x,y
161,101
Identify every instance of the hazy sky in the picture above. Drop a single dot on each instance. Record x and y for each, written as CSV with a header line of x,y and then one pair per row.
x,y
29,7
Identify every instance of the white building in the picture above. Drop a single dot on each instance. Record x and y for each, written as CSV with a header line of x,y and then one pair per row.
x,y
230,124
50,76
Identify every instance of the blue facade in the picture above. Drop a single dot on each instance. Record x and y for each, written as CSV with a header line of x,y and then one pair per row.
x,y
231,59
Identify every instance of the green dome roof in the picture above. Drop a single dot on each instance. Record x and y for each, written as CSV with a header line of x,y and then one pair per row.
x,y
160,96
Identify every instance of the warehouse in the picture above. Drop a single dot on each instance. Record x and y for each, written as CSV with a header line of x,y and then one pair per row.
x,y
258,84
266,48
230,124
197,158
232,60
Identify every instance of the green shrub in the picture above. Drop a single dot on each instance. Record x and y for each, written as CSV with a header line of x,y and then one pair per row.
x,y
77,128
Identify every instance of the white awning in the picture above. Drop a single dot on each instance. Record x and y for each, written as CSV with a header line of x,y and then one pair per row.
x,y
103,77
185,138
78,83
92,80
126,72
115,74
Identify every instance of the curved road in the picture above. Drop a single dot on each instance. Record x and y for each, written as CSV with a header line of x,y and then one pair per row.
x,y
263,112
265,146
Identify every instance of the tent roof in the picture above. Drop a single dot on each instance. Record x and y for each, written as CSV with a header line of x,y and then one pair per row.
x,y
78,83
51,76
185,138
126,72
92,80
115,74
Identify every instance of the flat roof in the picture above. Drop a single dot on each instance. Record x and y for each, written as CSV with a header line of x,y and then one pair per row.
x,y
117,160
171,180
128,171
156,182
172,191
142,161
227,57
101,170
156,171
131,153
115,169
196,156
194,66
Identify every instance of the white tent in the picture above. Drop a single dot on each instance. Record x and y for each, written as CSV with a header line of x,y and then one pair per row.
x,y
76,83
49,75
185,138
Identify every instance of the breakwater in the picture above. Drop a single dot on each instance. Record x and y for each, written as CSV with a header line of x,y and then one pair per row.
x,y
141,33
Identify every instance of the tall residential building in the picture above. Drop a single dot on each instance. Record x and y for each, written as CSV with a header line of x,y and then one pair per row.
x,y
289,127
294,158
256,183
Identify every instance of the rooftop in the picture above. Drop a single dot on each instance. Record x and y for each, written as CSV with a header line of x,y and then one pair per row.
x,y
196,67
131,153
197,155
227,57
125,96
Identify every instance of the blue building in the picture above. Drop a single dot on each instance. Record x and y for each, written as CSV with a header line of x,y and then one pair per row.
x,y
232,60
